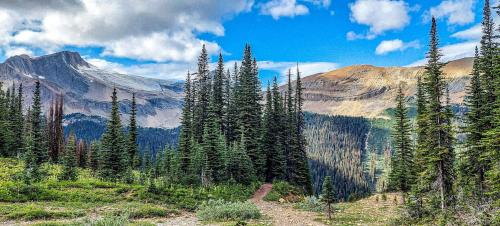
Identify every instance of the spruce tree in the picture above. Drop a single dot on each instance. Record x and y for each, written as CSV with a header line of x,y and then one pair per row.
x,y
37,131
218,91
248,101
114,155
279,129
232,107
328,195
304,177
185,136
474,169
240,166
439,161
211,135
203,87
402,174
269,139
132,147
69,160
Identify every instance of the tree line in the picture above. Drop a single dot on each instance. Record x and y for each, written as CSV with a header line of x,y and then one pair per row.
x,y
226,133
438,172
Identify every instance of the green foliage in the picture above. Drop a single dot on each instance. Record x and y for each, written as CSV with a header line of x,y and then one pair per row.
x,y
32,212
220,210
311,203
282,189
69,160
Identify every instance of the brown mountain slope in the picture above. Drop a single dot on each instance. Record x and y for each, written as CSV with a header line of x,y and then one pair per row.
x,y
365,90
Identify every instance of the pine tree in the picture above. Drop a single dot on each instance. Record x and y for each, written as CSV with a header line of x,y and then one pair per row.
x,y
218,91
203,87
32,171
269,138
185,136
210,143
114,155
402,174
240,166
328,195
232,107
474,168
290,129
69,160
304,177
439,152
19,121
279,129
132,147
37,131
248,98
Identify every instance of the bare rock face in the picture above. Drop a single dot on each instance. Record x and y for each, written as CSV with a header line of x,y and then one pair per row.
x,y
87,89
367,91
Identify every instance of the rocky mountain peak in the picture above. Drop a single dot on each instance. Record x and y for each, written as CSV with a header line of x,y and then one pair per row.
x,y
65,57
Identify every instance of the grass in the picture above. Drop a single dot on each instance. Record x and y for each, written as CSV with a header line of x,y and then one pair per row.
x,y
367,211
223,211
67,202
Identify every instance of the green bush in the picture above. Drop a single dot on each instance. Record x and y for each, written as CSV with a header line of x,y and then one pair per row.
x,y
33,212
281,189
222,211
311,203
108,221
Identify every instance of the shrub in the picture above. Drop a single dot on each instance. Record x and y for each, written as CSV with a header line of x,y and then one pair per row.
x,y
311,203
222,210
108,221
32,212
281,189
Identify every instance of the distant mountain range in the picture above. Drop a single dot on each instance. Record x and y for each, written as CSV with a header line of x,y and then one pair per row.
x,y
359,90
87,89
368,91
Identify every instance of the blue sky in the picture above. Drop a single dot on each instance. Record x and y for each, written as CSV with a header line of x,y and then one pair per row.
x,y
161,39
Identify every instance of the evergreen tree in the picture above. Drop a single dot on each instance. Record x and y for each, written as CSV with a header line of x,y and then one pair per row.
x,y
278,119
402,174
440,163
32,171
69,160
37,131
290,144
114,155
303,175
248,101
328,195
474,170
211,135
232,107
218,91
185,136
132,147
240,166
269,138
203,86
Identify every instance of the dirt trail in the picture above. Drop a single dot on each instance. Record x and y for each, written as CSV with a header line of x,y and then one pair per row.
x,y
282,215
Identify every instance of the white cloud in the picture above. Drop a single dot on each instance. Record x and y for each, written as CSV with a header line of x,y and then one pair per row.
x,y
453,52
14,51
306,68
115,24
388,46
472,33
379,15
321,3
283,8
456,12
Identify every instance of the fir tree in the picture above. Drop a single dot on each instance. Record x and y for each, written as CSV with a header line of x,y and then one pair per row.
x,y
304,178
232,107
328,195
269,138
439,161
37,131
114,155
132,146
474,169
278,119
214,164
69,160
248,98
185,136
402,174
240,165
203,86
218,91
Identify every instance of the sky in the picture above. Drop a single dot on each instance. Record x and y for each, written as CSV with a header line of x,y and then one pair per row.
x,y
162,38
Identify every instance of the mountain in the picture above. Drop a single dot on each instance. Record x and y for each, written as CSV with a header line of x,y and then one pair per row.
x,y
368,91
87,89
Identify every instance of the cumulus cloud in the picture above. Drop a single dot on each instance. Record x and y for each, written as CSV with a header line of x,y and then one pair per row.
x,y
379,15
116,24
283,8
453,52
388,46
456,12
14,51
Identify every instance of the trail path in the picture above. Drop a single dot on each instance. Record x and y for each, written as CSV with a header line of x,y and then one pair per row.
x,y
282,215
